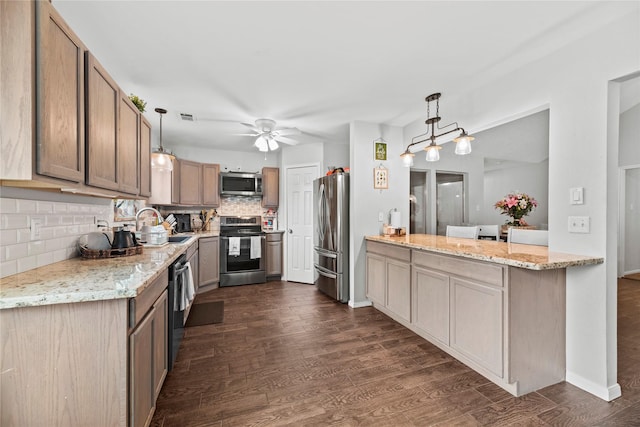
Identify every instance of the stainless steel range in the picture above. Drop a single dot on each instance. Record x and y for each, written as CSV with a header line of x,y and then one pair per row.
x,y
242,248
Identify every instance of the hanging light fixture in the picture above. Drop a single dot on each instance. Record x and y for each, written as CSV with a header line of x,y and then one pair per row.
x,y
160,158
463,141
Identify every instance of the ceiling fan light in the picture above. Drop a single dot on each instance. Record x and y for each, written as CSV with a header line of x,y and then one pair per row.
x,y
262,144
463,144
273,144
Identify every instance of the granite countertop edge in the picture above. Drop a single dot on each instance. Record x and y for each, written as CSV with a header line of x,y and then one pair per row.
x,y
504,254
83,280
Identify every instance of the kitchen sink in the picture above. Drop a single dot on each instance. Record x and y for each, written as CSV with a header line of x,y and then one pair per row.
x,y
178,239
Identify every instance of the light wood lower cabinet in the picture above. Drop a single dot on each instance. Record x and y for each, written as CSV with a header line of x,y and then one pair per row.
x,y
273,256
389,279
209,263
148,359
507,323
193,257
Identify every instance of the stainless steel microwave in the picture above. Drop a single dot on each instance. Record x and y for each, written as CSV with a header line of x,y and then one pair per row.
x,y
241,183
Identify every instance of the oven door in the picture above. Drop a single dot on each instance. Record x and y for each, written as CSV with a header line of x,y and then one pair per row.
x,y
242,261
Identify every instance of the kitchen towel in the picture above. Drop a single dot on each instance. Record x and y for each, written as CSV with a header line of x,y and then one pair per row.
x,y
188,290
256,247
234,246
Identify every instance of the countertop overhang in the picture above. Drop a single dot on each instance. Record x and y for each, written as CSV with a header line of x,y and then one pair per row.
x,y
80,280
512,254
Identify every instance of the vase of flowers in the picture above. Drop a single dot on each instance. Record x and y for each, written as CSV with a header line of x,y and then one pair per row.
x,y
516,206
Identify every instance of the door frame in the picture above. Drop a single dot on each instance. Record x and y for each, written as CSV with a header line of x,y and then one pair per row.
x,y
622,187
285,214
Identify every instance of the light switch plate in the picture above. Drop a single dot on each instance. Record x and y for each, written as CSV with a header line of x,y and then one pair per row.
x,y
36,224
380,216
578,224
576,196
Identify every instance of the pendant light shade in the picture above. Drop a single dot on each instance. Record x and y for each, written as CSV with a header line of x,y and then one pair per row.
x,y
463,144
433,152
407,158
161,159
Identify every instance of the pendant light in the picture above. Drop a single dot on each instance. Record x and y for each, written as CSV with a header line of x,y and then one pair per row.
x,y
463,141
161,159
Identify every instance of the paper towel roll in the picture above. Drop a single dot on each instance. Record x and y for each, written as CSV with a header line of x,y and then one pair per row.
x,y
395,219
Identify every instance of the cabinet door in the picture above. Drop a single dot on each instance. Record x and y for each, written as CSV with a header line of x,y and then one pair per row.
x,y
210,190
141,386
175,182
209,261
431,303
102,126
128,146
476,323
194,260
60,100
270,187
145,157
160,357
190,183
274,257
399,288
376,278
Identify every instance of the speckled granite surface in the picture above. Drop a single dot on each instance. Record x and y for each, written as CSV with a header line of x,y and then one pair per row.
x,y
78,279
516,255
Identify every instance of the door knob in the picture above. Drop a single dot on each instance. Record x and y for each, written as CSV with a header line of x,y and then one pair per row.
x,y
290,231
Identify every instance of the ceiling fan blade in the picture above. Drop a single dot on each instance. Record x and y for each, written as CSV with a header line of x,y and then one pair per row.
x,y
287,131
246,134
252,127
285,140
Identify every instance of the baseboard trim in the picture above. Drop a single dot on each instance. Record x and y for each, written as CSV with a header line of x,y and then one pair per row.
x,y
605,393
359,304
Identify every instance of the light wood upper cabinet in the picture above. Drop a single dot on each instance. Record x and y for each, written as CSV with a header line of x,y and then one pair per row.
x,y
145,157
60,100
270,187
190,183
102,126
128,146
175,182
210,179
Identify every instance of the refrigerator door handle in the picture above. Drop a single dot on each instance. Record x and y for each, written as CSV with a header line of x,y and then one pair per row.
x,y
321,213
326,253
325,272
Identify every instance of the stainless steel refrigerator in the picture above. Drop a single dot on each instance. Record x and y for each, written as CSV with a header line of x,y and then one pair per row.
x,y
331,237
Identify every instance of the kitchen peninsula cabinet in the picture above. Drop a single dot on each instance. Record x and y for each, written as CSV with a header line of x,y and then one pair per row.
x,y
389,279
209,263
270,187
497,307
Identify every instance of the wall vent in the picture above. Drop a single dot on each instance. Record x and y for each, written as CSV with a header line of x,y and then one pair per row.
x,y
187,117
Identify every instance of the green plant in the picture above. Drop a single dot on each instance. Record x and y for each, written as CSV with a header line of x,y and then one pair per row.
x,y
138,102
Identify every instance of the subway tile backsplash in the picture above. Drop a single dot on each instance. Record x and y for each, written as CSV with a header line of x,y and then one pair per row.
x,y
61,225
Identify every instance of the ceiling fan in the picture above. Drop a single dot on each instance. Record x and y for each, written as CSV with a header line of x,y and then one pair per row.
x,y
268,137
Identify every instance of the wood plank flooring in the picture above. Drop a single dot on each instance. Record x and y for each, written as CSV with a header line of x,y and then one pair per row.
x,y
288,355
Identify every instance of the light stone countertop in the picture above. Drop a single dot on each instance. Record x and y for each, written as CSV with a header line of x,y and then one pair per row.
x,y
80,280
513,254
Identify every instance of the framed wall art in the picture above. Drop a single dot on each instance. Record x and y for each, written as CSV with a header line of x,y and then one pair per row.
x,y
381,178
380,150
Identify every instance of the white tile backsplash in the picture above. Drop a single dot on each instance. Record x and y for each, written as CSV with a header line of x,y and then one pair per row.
x,y
62,224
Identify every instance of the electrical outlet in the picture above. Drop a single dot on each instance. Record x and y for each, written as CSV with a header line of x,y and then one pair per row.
x,y
380,216
578,224
36,224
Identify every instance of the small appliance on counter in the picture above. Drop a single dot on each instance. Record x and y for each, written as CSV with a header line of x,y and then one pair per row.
x,y
183,222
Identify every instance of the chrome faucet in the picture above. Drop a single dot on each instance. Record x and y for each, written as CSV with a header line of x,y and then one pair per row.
x,y
148,208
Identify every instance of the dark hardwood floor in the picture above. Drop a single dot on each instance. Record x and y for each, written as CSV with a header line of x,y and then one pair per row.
x,y
288,355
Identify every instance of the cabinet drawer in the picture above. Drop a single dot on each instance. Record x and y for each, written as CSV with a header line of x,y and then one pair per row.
x,y
391,251
141,304
484,272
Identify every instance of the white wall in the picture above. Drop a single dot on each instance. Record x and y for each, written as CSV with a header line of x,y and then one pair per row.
x,y
366,202
532,179
336,155
245,161
630,137
574,82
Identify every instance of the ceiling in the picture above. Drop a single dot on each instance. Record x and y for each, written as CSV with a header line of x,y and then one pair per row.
x,y
318,65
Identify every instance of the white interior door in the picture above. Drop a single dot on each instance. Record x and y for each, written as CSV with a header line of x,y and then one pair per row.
x,y
299,230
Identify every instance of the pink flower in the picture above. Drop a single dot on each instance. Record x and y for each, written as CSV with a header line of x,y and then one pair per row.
x,y
511,202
